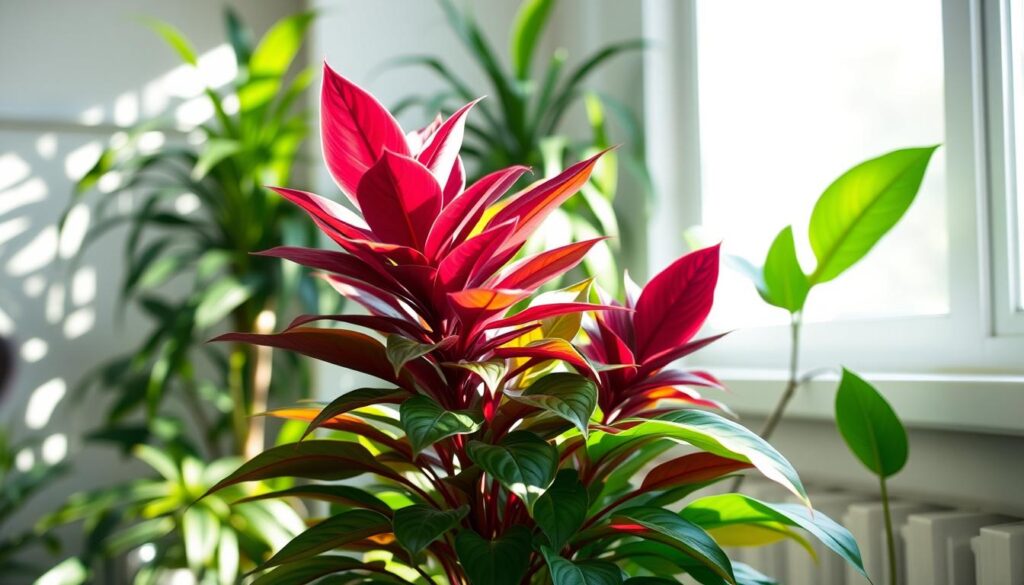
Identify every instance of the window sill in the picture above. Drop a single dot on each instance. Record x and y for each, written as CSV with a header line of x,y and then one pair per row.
x,y
971,403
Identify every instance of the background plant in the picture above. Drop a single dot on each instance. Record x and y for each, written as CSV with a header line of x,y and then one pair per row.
x,y
500,448
850,217
525,123
876,436
191,273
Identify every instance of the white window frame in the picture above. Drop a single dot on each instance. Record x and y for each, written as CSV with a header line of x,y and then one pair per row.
x,y
927,365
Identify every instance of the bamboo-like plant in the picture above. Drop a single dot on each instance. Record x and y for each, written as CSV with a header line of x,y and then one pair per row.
x,y
502,447
523,123
203,249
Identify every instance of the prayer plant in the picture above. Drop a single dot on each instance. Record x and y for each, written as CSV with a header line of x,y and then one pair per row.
x,y
501,445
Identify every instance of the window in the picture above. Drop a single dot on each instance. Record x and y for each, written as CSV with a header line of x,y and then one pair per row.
x,y
760,113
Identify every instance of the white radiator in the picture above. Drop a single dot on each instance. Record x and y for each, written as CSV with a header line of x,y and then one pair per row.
x,y
934,546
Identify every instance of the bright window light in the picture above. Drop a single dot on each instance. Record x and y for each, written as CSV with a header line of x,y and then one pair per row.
x,y
793,94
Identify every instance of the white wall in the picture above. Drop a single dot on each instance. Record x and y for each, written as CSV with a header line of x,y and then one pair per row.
x,y
70,72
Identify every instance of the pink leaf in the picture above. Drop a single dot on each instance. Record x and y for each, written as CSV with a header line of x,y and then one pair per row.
x,y
442,150
355,130
454,272
333,218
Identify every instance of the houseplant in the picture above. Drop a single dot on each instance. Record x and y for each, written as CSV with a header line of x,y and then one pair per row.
x,y
502,449
524,123
197,209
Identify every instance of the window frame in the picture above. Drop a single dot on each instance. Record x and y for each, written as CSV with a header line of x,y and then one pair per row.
x,y
969,347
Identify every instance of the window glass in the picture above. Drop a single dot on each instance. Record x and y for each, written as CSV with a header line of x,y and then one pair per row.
x,y
791,94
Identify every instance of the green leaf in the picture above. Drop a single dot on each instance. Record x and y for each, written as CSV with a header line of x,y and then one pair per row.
x,y
70,571
426,422
785,284
669,528
352,400
861,206
566,572
239,34
174,38
568,395
562,509
310,570
332,533
869,426
706,431
734,509
217,302
502,561
271,59
214,151
533,15
326,460
522,462
490,372
227,556
336,494
419,525
402,350
200,530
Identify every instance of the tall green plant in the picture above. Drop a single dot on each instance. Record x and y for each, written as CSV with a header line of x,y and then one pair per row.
x,y
850,217
524,122
204,249
877,438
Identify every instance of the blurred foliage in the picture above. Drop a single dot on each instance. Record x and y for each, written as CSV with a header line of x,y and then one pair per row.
x,y
16,488
525,122
193,210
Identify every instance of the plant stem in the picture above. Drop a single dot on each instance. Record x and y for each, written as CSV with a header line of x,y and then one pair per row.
x,y
236,377
791,384
890,538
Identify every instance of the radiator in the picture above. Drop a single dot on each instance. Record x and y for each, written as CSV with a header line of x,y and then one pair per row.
x,y
934,545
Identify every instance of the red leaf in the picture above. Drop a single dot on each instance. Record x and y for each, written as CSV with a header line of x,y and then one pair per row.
x,y
690,469
341,347
377,323
474,305
337,262
455,184
656,362
460,215
333,218
537,270
546,349
400,200
678,378
454,272
376,301
355,130
539,312
442,150
533,205
675,303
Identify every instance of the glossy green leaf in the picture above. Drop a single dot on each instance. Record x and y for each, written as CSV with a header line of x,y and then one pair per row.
x,y
562,509
533,15
402,350
869,426
861,206
418,525
426,422
354,399
309,570
502,561
201,531
522,462
709,432
566,572
669,528
785,284
490,372
332,533
733,509
568,395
